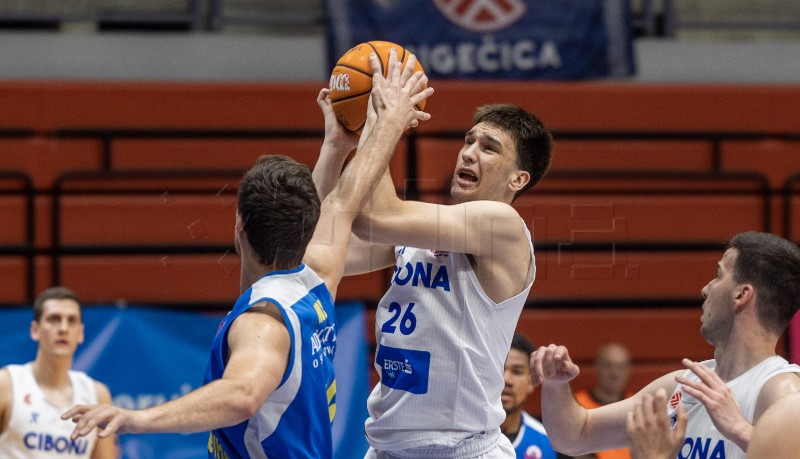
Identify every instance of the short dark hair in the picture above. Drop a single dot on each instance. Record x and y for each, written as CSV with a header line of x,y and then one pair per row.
x,y
521,343
279,207
772,265
52,293
533,141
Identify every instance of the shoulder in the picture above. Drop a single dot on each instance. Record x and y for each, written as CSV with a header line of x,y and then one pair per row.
x,y
263,322
775,388
6,397
5,381
773,435
103,394
265,308
533,423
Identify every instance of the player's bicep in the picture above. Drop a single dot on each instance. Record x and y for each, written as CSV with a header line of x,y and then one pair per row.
x,y
259,346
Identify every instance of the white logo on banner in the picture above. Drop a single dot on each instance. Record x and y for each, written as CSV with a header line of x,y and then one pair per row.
x,y
482,15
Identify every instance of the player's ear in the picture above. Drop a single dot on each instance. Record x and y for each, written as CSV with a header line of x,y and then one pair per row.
x,y
34,330
519,179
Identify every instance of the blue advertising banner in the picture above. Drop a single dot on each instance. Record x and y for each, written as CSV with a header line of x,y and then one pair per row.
x,y
493,39
147,356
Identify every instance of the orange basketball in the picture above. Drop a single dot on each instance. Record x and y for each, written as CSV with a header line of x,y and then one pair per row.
x,y
351,81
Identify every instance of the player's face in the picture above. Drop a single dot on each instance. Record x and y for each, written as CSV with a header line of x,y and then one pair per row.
x,y
486,165
613,367
59,331
518,380
719,294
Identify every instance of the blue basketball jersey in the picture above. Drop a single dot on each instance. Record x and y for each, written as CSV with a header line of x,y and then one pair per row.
x,y
532,441
295,421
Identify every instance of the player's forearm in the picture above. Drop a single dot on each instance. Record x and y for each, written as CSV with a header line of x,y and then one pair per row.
x,y
563,418
741,436
328,168
370,162
221,403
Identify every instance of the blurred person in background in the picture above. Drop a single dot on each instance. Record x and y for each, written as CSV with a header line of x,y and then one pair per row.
x,y
34,395
525,432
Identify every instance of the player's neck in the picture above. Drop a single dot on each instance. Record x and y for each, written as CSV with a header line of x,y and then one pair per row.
x,y
742,353
52,373
251,269
511,425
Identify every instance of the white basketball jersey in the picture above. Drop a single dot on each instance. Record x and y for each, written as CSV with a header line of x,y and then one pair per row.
x,y
702,438
442,345
35,429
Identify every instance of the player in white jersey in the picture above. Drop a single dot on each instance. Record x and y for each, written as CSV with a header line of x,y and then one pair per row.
x,y
34,395
658,431
462,275
260,387
747,307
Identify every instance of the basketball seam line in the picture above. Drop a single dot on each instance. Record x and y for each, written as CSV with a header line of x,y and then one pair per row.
x,y
383,68
351,97
355,69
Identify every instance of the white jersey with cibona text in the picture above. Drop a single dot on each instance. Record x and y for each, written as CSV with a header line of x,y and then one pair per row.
x,y
35,429
703,441
442,345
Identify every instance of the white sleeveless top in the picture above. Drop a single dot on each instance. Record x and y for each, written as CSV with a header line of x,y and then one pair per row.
x,y
702,438
442,345
35,429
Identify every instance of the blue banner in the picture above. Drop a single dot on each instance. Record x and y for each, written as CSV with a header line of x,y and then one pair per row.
x,y
148,356
493,39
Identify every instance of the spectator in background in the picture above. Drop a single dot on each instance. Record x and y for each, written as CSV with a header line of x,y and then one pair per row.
x,y
33,395
525,432
612,367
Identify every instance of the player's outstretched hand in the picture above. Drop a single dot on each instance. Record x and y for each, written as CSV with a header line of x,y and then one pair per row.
x,y
336,136
108,419
399,93
649,430
552,365
719,401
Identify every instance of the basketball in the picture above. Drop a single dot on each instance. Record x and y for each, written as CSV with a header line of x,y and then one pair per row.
x,y
351,81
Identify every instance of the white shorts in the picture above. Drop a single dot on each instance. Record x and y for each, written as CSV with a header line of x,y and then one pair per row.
x,y
486,445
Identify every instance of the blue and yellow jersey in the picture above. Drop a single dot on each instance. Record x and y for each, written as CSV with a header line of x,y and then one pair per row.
x,y
295,421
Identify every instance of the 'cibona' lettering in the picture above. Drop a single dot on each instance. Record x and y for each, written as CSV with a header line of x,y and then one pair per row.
x,y
61,445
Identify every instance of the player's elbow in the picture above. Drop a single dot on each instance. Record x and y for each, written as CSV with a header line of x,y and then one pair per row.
x,y
245,407
341,205
566,448
244,402
362,227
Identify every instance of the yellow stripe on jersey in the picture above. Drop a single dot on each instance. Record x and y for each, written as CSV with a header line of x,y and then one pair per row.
x,y
331,406
321,314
